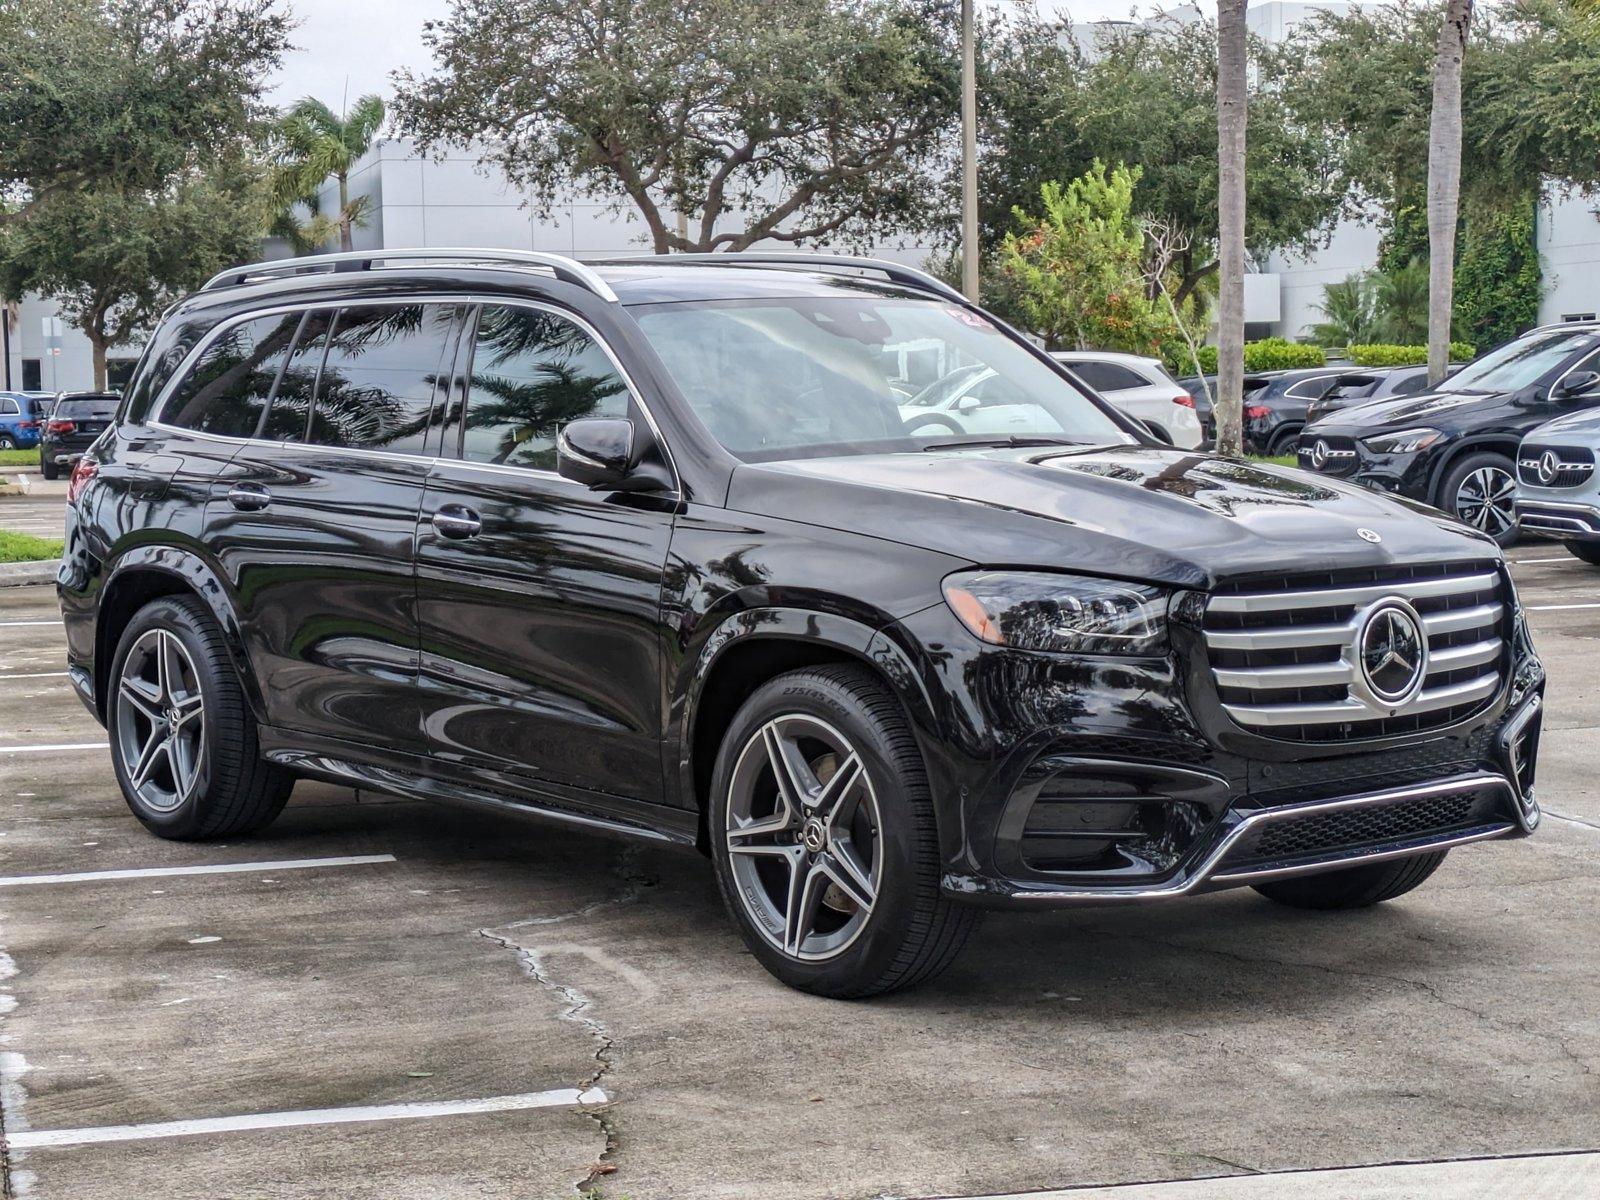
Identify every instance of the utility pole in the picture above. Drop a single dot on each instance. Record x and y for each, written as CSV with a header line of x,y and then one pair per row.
x,y
969,156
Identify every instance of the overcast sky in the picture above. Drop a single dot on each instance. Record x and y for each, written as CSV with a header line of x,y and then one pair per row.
x,y
351,46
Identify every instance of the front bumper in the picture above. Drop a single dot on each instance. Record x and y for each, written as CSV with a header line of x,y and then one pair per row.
x,y
1082,781
1565,519
1345,457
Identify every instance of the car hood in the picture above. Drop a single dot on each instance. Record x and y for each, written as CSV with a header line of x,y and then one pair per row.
x,y
1132,512
1372,415
1582,427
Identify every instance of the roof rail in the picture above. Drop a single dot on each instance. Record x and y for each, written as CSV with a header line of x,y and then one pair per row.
x,y
907,276
568,270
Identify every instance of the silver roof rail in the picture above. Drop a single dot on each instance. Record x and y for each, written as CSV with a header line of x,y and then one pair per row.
x,y
568,270
897,273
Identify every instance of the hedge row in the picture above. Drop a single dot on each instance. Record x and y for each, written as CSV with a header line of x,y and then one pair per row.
x,y
1269,354
1404,356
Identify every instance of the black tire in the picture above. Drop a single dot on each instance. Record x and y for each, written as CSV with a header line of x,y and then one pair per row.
x,y
48,468
1354,887
911,931
7,442
1588,551
1450,488
235,790
1285,441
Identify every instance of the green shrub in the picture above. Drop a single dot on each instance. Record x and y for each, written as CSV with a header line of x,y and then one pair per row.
x,y
1404,356
1269,354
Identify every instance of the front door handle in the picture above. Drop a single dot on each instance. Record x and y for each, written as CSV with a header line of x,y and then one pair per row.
x,y
249,497
457,521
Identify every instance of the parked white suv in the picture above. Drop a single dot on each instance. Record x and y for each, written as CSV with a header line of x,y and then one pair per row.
x,y
1558,492
1141,388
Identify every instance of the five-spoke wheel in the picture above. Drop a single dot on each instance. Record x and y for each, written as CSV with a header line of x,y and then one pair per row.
x,y
160,730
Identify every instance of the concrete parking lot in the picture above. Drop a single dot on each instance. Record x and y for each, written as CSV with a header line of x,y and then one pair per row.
x,y
380,998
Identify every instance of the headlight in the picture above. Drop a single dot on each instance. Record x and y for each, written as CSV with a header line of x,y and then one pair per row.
x,y
1061,614
1407,441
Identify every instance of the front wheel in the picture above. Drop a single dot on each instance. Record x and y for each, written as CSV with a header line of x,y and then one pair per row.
x,y
183,740
823,838
1354,887
1588,551
1481,490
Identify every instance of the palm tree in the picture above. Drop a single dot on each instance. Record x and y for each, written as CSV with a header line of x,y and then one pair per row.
x,y
1231,117
313,146
1444,180
1349,307
1403,303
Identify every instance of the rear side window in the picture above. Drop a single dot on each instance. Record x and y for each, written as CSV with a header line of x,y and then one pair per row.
x,y
532,372
291,403
226,391
376,387
1311,389
1107,377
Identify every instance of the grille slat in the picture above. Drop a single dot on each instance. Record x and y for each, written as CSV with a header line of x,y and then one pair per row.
x,y
1324,832
1283,667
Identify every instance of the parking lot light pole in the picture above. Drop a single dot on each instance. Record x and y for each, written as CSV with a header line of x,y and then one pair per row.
x,y
969,156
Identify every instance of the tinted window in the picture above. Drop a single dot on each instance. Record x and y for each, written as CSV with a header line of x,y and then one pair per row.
x,y
1106,377
1408,385
1311,389
532,372
226,391
9,407
291,403
376,388
99,408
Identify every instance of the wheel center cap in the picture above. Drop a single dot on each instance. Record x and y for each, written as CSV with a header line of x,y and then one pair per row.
x,y
815,836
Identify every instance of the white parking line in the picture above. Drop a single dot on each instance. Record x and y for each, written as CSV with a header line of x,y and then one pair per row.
x,y
34,675
1523,562
29,1139
290,864
53,746
15,624
1556,607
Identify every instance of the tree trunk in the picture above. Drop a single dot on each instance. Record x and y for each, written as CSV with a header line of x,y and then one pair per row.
x,y
1231,116
346,242
97,343
1444,181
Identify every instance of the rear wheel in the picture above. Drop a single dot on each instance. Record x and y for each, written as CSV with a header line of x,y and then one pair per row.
x,y
1285,441
7,442
183,740
48,468
823,838
1354,887
1481,491
1588,551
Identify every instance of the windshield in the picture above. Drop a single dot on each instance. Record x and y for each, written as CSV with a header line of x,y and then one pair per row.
x,y
796,378
1517,364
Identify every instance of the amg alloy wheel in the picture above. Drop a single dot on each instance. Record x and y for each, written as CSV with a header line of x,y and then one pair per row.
x,y
802,834
823,837
160,728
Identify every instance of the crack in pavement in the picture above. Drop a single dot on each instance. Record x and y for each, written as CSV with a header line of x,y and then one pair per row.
x,y
579,1007
1571,820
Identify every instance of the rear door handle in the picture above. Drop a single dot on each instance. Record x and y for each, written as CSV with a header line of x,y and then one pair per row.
x,y
457,521
249,497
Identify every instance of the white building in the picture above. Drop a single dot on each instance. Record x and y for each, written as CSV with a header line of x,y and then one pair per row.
x,y
416,200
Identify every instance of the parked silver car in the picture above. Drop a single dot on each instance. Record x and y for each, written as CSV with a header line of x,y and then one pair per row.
x,y
1558,492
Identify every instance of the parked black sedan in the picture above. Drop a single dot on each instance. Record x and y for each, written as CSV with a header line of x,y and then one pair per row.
x,y
1455,447
74,423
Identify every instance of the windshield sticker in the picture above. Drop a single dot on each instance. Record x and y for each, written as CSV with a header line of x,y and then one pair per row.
x,y
969,318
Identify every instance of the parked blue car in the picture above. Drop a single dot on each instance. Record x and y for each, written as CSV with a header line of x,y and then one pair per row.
x,y
22,417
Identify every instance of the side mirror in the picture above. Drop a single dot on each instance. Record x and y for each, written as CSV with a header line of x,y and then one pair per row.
x,y
1579,383
595,451
968,404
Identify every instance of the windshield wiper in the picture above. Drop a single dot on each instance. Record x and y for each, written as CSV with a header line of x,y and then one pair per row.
x,y
1010,441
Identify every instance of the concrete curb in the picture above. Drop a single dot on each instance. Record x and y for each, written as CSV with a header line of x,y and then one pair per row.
x,y
19,574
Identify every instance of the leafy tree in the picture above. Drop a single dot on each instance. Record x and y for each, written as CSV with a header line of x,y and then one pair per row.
x,y
1349,309
112,259
1401,300
125,93
1078,269
1498,276
312,145
722,122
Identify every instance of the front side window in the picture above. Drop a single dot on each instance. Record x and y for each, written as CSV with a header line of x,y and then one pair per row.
x,y
226,390
532,372
792,378
376,387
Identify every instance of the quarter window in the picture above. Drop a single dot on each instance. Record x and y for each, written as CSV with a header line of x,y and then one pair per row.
x,y
375,390
227,389
9,407
532,372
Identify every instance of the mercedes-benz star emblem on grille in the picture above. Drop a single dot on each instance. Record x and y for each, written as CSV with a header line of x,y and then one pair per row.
x,y
1393,652
1549,466
1319,454
1370,535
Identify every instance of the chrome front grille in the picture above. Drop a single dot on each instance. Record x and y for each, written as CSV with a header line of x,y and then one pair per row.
x,y
1294,656
1555,466
1330,455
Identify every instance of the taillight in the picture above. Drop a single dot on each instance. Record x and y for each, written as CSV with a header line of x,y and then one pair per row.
x,y
27,424
83,471
1184,399
60,427
1257,412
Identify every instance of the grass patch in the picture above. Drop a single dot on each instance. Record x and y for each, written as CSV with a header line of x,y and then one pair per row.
x,y
19,458
24,547
1280,460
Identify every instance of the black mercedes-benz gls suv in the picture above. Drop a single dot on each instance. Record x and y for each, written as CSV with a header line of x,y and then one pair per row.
x,y
651,547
